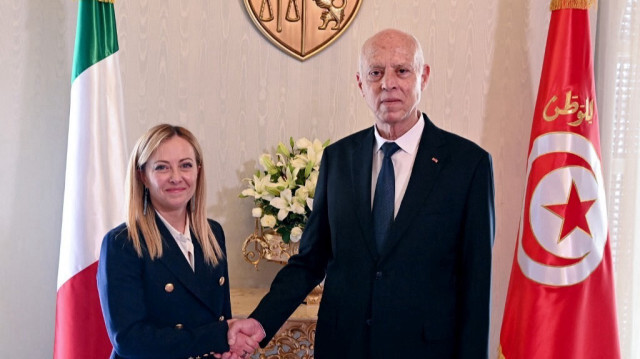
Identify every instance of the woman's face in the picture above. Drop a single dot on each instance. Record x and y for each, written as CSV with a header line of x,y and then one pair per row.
x,y
171,175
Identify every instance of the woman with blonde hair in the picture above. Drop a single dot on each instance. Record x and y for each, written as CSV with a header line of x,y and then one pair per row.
x,y
162,276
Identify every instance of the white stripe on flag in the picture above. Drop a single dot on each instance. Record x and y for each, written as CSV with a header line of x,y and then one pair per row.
x,y
96,162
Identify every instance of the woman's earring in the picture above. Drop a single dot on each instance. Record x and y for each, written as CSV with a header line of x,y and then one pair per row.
x,y
146,194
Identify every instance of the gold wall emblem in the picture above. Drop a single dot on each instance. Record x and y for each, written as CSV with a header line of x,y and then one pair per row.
x,y
302,28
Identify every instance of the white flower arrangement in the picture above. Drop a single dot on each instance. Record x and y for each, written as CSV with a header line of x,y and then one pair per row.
x,y
283,190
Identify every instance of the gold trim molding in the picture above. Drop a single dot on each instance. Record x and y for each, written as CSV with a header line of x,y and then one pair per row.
x,y
571,4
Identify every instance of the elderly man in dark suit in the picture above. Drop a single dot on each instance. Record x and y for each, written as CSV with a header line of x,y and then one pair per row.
x,y
402,227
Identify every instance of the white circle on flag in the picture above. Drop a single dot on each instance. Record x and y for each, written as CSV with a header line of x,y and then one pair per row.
x,y
554,188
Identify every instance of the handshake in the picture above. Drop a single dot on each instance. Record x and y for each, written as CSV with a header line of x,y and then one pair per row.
x,y
244,336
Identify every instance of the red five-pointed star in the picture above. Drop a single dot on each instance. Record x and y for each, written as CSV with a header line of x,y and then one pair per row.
x,y
573,212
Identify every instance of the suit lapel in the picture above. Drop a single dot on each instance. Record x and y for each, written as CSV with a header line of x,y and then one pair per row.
x,y
204,273
361,163
173,259
431,158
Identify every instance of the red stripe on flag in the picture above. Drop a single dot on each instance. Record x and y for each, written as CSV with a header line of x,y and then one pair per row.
x,y
80,329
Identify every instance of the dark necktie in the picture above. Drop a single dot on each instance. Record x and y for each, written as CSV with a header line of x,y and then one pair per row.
x,y
383,201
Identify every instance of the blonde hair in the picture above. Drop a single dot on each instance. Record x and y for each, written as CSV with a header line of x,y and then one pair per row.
x,y
141,225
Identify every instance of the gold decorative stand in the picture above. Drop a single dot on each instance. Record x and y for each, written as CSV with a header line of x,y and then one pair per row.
x,y
268,245
294,340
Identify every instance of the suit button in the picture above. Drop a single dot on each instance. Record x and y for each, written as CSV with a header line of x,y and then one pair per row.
x,y
221,281
369,322
378,275
221,318
179,326
168,287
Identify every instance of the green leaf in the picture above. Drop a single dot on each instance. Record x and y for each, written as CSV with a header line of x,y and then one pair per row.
x,y
285,233
307,169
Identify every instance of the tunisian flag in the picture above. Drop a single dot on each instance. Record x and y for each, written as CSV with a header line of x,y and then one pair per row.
x,y
94,191
560,303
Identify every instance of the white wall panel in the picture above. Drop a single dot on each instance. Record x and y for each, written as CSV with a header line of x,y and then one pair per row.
x,y
204,65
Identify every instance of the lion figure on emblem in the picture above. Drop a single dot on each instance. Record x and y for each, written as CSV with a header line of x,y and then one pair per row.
x,y
331,13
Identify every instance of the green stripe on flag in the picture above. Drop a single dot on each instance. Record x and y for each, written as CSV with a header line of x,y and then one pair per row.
x,y
96,36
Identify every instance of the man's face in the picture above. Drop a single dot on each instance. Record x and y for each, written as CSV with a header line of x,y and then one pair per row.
x,y
391,79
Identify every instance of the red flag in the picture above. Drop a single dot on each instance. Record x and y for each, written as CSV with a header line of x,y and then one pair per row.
x,y
560,302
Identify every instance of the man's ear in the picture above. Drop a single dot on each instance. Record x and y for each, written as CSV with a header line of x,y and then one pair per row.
x,y
424,78
359,80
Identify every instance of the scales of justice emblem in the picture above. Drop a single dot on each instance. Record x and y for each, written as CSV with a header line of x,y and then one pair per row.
x,y
302,28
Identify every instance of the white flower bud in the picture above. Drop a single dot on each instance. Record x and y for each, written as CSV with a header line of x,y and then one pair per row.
x,y
256,212
296,234
268,221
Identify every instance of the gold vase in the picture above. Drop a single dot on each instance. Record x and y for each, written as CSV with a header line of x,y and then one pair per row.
x,y
277,250
268,245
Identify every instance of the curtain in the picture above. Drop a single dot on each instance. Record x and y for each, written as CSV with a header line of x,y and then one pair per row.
x,y
617,69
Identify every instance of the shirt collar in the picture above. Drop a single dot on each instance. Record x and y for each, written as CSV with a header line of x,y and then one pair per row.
x,y
408,142
174,232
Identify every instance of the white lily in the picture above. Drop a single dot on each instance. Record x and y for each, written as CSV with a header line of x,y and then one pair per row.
x,y
286,185
299,162
267,163
259,189
301,195
283,150
315,153
286,203
314,149
288,180
304,143
310,184
310,189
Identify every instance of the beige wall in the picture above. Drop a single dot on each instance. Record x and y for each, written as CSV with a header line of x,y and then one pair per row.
x,y
36,48
204,65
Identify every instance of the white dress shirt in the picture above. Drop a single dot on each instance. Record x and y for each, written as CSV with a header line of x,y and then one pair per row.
x,y
183,239
402,161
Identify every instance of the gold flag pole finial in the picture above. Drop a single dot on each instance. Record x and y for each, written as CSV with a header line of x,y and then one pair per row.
x,y
571,4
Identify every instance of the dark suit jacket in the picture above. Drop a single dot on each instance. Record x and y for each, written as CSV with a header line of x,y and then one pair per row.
x,y
160,308
427,293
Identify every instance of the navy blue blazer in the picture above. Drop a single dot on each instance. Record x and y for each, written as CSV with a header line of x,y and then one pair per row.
x,y
160,308
427,293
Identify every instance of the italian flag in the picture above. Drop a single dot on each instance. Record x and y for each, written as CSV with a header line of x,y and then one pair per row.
x,y
94,190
